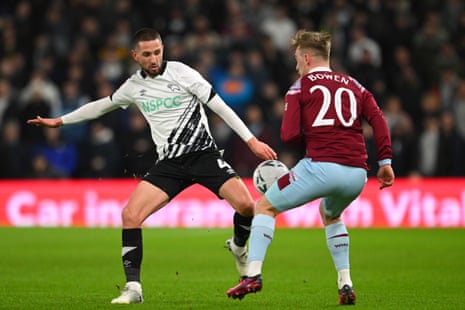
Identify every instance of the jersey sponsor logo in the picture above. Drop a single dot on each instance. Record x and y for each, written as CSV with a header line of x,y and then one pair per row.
x,y
157,104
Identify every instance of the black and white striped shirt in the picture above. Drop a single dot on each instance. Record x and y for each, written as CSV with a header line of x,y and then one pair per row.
x,y
173,105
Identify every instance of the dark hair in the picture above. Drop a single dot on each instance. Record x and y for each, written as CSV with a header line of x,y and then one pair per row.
x,y
145,34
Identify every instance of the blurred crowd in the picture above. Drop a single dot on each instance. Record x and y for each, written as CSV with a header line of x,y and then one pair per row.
x,y
56,55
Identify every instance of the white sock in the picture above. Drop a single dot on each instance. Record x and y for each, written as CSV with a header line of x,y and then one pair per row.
x,y
238,250
255,268
343,278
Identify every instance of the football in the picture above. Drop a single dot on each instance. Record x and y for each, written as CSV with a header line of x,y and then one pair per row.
x,y
266,173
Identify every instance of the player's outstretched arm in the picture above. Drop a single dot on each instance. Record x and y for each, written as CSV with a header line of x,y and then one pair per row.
x,y
385,176
261,149
46,122
86,112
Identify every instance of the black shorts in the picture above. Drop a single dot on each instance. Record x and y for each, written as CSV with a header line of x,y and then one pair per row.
x,y
207,168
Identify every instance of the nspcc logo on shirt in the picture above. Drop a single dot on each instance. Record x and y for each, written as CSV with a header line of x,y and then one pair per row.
x,y
156,104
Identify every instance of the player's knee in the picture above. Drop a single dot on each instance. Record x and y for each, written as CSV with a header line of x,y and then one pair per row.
x,y
130,218
247,209
245,206
265,207
329,219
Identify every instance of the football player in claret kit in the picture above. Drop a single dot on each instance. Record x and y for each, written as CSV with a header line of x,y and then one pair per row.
x,y
172,97
324,111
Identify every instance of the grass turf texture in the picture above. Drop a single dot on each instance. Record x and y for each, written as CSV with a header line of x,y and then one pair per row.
x,y
70,268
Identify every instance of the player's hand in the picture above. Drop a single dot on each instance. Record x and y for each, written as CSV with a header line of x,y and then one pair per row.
x,y
46,122
261,149
385,176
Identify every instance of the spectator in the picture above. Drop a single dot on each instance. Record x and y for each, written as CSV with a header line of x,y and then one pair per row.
x,y
205,61
111,59
451,13
396,116
58,29
8,103
71,99
275,60
90,31
338,32
448,58
24,25
430,104
220,131
362,49
60,155
176,49
238,35
458,108
280,27
404,148
234,85
409,90
41,169
428,146
100,157
458,36
12,152
365,71
81,42
137,149
343,12
256,68
202,36
40,86
244,162
404,28
447,84
35,105
426,46
80,66
13,68
451,150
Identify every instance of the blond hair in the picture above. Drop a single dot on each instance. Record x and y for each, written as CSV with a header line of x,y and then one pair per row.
x,y
318,42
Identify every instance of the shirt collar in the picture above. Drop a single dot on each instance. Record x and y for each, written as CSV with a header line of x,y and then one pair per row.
x,y
320,69
162,70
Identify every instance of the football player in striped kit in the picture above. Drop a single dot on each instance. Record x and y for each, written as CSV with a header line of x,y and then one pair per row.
x,y
172,97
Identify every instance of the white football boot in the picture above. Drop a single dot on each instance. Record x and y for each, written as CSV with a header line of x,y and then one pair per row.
x,y
131,294
240,255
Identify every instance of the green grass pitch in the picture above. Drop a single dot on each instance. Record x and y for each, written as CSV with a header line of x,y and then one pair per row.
x,y
73,268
